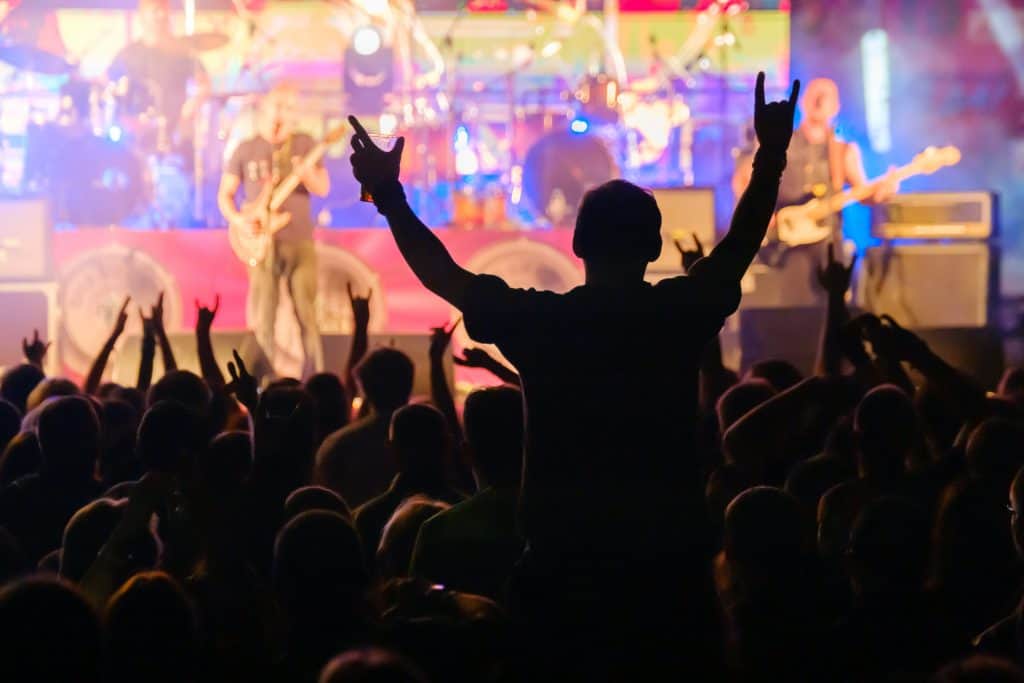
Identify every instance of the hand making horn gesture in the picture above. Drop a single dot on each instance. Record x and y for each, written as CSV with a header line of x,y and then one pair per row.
x,y
773,121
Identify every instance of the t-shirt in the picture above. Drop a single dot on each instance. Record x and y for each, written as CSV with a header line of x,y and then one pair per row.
x,y
610,389
255,162
157,74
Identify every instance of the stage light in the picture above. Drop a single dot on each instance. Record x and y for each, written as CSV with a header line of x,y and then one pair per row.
x,y
115,133
551,49
874,55
366,41
579,126
388,124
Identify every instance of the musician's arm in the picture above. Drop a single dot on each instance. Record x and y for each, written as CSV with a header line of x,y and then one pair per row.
x,y
854,166
317,181
229,184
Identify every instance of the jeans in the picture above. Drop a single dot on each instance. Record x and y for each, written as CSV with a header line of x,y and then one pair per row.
x,y
296,263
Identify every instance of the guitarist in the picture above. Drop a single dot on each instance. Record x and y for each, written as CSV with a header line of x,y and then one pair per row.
x,y
820,165
275,152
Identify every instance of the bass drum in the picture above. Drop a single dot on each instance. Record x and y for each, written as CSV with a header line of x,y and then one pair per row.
x,y
97,182
559,169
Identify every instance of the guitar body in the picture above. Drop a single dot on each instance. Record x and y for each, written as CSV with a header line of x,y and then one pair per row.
x,y
252,246
797,226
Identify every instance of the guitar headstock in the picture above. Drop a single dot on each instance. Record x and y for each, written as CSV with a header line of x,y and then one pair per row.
x,y
933,158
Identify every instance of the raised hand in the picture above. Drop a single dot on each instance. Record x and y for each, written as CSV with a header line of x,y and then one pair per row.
x,y
371,165
773,121
834,277
690,256
36,351
475,357
122,318
440,339
360,307
158,313
205,316
903,343
242,384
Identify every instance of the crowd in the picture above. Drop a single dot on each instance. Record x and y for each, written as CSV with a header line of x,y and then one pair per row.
x,y
623,507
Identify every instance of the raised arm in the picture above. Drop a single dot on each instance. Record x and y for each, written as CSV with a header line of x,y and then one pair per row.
x,y
95,376
834,278
204,345
430,261
166,352
440,392
773,123
360,338
35,352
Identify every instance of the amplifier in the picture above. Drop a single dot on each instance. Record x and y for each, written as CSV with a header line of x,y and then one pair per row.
x,y
937,285
684,211
24,240
936,215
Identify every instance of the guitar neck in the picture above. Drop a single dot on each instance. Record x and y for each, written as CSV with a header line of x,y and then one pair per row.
x,y
840,201
291,181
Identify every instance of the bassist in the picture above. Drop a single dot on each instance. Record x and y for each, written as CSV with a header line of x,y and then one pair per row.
x,y
276,151
819,166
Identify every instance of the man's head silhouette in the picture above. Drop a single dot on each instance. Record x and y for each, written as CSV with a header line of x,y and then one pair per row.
x,y
618,224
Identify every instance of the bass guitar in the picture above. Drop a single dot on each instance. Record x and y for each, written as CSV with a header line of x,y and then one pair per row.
x,y
804,223
252,236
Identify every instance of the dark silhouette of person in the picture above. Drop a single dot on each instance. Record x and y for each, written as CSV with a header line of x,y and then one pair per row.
x,y
356,461
20,457
315,498
86,534
474,546
422,448
18,382
398,538
371,665
151,631
36,508
50,633
608,486
332,402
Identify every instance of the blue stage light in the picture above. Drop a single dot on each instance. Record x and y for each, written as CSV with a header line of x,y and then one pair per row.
x,y
579,126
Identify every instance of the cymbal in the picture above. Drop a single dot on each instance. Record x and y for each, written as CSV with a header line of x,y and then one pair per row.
x,y
29,58
204,42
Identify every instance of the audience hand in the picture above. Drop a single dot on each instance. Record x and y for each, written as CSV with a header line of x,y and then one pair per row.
x,y
834,277
122,318
475,357
205,316
690,256
440,339
773,121
242,384
360,308
36,351
902,343
371,165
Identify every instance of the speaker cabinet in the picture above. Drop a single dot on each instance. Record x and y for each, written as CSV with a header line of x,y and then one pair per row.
x,y
336,347
684,211
936,285
25,252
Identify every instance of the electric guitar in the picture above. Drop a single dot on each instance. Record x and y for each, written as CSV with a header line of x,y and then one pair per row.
x,y
252,245
802,224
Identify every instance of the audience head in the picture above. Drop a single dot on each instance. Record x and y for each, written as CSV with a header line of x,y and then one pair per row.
x,y
170,435
370,665
385,376
50,633
318,564
1011,384
89,530
780,374
399,536
889,546
1017,511
315,498
222,467
767,536
69,437
151,631
740,399
10,423
21,456
119,423
331,402
48,388
980,669
288,421
18,382
13,562
617,223
885,425
995,450
420,439
493,420
184,387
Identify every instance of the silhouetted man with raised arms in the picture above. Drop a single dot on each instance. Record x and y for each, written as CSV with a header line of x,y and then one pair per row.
x,y
612,502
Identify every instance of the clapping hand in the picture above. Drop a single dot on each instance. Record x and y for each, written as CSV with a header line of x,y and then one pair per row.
x,y
371,165
690,256
773,121
834,277
35,351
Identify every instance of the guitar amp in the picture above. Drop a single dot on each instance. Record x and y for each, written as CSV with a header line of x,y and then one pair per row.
x,y
936,215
